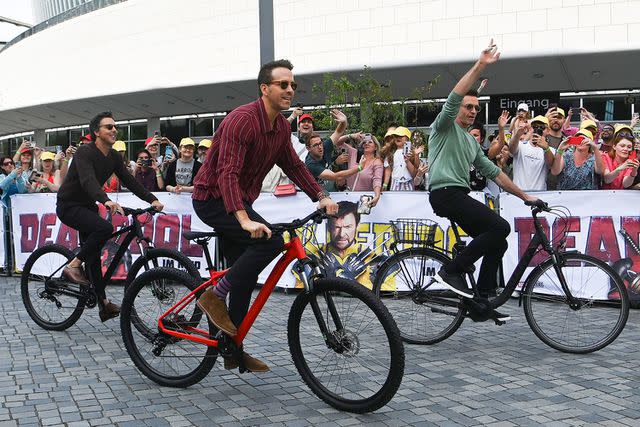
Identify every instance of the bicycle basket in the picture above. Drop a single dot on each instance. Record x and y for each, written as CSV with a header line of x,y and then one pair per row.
x,y
414,231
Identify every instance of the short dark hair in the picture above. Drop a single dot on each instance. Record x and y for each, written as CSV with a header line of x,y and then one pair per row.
x,y
144,150
480,127
471,92
313,135
94,124
264,76
345,208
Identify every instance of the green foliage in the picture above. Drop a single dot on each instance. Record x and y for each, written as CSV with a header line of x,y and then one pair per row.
x,y
368,103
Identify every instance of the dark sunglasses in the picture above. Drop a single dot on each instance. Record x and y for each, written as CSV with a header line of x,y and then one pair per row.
x,y
473,107
284,84
109,126
7,163
624,135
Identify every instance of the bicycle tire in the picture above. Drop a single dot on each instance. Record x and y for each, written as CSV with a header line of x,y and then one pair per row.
x,y
371,388
153,255
603,299
421,315
41,304
140,346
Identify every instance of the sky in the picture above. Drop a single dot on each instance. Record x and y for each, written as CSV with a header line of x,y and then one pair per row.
x,y
20,10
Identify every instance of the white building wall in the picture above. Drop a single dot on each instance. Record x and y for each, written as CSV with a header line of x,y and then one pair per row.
x,y
317,35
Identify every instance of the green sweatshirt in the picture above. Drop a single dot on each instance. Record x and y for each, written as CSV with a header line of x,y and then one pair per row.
x,y
452,150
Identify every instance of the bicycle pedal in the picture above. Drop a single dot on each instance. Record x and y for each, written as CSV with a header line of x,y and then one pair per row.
x,y
499,322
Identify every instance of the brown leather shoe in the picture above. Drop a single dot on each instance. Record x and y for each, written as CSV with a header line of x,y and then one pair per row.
x,y
216,311
251,363
109,311
75,275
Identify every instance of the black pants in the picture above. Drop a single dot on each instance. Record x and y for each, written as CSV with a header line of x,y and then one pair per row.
x,y
247,256
94,232
488,229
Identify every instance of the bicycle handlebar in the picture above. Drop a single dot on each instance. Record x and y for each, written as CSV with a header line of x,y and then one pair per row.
x,y
538,205
317,216
136,212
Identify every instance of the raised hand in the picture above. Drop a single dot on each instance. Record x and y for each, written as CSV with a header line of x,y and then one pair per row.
x,y
338,116
504,118
490,55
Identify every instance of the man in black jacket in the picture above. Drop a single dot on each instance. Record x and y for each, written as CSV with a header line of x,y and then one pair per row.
x,y
93,164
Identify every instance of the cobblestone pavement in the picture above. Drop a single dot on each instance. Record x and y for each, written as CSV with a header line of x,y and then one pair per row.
x,y
483,375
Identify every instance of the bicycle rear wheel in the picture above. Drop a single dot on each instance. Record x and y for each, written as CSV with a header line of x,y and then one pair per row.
x,y
594,322
424,315
167,360
45,293
358,365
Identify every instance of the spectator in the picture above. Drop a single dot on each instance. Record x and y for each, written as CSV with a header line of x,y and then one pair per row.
x,y
532,156
328,159
319,163
500,140
370,169
607,135
203,148
577,165
11,181
421,180
153,145
620,171
556,116
477,182
147,171
48,180
113,183
400,162
180,173
522,116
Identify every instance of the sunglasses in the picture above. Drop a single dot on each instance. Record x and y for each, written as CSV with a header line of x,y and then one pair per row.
x,y
284,84
473,107
7,163
109,126
624,135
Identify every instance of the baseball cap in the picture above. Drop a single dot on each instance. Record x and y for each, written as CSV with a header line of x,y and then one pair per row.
x,y
148,141
187,141
119,146
205,143
389,133
585,132
523,106
402,131
305,117
619,126
47,156
588,124
540,119
26,151
86,138
560,111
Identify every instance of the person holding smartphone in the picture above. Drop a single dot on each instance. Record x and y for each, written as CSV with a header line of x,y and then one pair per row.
x,y
621,168
400,161
147,171
577,165
532,158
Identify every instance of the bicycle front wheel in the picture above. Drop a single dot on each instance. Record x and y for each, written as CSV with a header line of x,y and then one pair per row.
x,y
167,360
424,315
162,257
355,361
47,296
595,320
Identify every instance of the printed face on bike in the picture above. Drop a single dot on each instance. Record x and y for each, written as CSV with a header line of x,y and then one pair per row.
x,y
342,231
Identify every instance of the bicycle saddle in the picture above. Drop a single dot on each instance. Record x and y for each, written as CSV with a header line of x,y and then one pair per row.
x,y
193,235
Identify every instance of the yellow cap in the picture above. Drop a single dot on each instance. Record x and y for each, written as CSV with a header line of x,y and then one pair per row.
x,y
119,146
205,143
588,124
402,131
561,111
389,133
47,156
540,119
619,126
585,132
187,141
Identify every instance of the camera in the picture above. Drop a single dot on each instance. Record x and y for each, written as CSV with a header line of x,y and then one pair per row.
x,y
32,145
145,162
538,130
34,176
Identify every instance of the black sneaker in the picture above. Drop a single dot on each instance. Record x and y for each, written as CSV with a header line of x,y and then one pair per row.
x,y
499,316
454,282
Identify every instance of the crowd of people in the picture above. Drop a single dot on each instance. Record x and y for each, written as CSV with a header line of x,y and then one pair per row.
x,y
538,153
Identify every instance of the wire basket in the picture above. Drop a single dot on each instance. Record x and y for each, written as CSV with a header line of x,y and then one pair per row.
x,y
414,231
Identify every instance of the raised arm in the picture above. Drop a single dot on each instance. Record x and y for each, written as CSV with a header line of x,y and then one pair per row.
x,y
341,118
487,57
500,141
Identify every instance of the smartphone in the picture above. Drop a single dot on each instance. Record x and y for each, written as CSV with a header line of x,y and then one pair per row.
x,y
407,148
32,145
538,130
343,151
363,205
575,140
34,175
156,134
18,164
633,155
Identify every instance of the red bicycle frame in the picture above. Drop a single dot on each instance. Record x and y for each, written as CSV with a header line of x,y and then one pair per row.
x,y
293,251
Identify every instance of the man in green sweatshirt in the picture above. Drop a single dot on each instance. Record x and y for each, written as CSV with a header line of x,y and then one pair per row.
x,y
452,150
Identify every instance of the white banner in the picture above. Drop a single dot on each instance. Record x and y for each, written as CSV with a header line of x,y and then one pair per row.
x,y
596,226
35,224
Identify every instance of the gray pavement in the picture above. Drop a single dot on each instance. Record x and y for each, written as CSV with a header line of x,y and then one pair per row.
x,y
483,375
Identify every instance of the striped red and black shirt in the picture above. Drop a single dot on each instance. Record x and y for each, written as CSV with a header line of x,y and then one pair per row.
x,y
244,150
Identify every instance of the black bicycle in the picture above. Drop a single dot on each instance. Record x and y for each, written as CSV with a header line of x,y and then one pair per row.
x,y
573,302
54,303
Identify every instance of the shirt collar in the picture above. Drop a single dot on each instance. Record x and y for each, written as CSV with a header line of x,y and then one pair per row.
x,y
265,126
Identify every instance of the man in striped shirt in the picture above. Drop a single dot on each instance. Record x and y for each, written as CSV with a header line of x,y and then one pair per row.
x,y
249,141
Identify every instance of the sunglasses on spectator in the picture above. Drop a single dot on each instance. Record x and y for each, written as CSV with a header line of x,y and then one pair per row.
x,y
284,84
625,135
109,126
472,107
7,163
